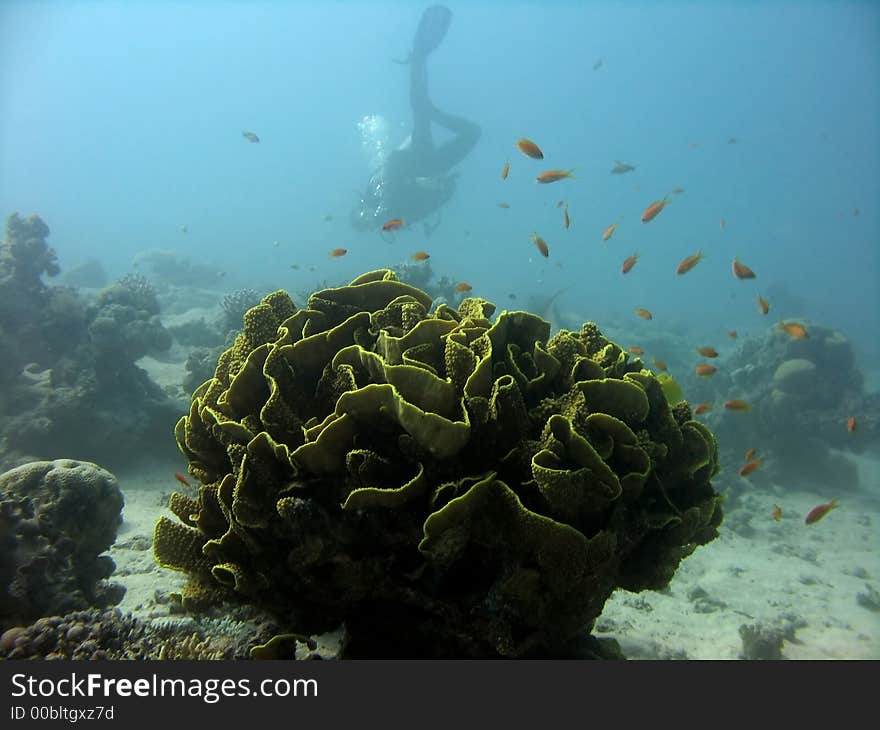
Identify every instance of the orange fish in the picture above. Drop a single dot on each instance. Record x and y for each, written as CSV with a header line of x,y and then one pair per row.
x,y
463,287
644,314
629,263
505,171
763,304
182,479
702,408
817,513
609,232
566,221
708,351
689,263
660,364
527,147
636,350
736,405
421,256
653,210
795,331
777,513
704,371
542,245
749,468
337,252
741,271
851,424
554,175
731,334
750,454
393,225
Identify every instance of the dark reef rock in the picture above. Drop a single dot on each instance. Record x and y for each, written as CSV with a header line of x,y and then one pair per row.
x,y
441,484
56,520
761,642
870,599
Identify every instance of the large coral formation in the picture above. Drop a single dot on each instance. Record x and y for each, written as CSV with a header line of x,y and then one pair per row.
x,y
24,258
460,486
57,518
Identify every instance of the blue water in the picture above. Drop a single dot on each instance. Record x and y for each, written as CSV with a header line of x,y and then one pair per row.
x,y
122,122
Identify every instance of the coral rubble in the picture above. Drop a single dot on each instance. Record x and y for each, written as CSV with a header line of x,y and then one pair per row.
x,y
109,634
441,484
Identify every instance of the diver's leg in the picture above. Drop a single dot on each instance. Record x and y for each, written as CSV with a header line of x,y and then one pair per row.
x,y
450,153
421,140
428,159
430,33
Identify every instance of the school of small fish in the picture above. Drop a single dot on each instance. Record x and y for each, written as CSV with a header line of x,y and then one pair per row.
x,y
740,271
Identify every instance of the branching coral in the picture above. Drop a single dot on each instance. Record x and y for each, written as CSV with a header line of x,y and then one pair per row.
x,y
234,306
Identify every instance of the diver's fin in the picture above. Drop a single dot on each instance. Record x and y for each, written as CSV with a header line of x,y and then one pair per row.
x,y
431,31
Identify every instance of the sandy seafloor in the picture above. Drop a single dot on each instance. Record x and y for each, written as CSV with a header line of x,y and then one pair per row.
x,y
803,579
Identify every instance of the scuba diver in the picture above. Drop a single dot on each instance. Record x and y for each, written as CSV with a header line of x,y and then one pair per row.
x,y
416,180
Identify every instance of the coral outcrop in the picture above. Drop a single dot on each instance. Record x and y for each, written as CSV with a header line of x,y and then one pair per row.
x,y
57,518
124,323
441,483
70,385
801,393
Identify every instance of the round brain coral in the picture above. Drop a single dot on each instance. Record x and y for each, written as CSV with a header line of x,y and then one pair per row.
x,y
443,484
